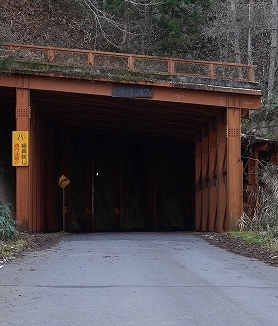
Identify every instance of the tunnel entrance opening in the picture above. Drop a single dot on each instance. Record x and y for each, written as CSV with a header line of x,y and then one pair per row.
x,y
123,184
133,161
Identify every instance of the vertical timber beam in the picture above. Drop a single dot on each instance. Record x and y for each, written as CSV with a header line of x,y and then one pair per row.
x,y
205,189
198,182
234,163
49,178
252,185
152,196
212,177
35,173
23,186
253,167
66,166
89,193
118,190
221,172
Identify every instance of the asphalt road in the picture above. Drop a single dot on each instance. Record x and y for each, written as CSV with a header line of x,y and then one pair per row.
x,y
140,279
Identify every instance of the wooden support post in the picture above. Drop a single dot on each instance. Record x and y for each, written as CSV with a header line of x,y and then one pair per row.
x,y
152,201
49,180
66,170
23,186
253,167
252,186
89,193
212,177
198,188
221,172
205,190
118,190
35,175
234,163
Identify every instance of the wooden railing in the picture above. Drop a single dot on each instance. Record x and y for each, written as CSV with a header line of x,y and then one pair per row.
x,y
131,62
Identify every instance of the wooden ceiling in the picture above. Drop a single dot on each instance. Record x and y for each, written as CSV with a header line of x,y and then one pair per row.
x,y
122,117
7,103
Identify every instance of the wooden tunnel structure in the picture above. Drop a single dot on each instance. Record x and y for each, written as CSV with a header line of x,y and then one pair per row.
x,y
257,152
148,143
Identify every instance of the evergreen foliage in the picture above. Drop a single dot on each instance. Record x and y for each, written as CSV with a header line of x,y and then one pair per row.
x,y
8,225
180,23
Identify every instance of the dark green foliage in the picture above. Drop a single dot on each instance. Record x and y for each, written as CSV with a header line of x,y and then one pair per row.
x,y
179,24
8,225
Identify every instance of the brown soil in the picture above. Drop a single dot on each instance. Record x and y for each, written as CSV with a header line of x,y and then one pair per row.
x,y
241,247
40,241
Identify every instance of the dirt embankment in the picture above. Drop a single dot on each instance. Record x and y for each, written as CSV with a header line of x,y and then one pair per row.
x,y
46,22
243,248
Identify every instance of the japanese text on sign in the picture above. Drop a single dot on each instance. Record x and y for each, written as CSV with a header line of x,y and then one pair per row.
x,y
20,146
132,91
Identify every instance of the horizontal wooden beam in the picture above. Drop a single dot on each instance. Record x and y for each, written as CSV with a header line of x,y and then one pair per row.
x,y
162,94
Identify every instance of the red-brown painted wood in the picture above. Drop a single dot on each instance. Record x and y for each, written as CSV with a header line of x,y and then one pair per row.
x,y
23,185
205,180
221,173
152,195
212,176
198,183
234,163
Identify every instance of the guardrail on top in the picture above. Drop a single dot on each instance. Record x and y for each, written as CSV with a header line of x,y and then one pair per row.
x,y
132,62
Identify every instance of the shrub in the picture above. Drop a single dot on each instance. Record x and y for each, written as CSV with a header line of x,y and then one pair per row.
x,y
8,225
263,218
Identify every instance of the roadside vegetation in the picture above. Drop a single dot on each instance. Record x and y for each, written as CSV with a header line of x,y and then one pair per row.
x,y
259,223
10,242
257,238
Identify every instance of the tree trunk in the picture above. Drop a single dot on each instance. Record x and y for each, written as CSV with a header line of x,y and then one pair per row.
x,y
235,32
250,23
273,50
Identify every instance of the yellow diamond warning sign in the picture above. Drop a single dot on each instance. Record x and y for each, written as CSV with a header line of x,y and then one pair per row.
x,y
20,148
63,181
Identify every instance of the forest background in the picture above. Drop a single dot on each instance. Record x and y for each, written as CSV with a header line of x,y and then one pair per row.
x,y
241,31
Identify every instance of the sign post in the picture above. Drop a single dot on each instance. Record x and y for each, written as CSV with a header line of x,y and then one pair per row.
x,y
63,182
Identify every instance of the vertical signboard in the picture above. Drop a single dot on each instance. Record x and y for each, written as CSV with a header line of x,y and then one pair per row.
x,y
20,148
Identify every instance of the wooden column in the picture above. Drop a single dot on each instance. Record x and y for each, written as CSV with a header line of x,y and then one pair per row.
x,y
66,166
205,184
36,172
198,183
253,167
152,195
49,180
118,189
89,189
212,176
274,156
234,163
221,171
23,186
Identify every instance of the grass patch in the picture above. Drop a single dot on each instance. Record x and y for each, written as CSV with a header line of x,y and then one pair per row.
x,y
259,238
11,247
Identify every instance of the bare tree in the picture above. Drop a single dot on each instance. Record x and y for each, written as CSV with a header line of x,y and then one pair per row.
x,y
250,24
235,31
240,38
123,27
273,49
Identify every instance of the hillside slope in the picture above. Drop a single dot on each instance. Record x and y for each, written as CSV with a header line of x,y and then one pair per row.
x,y
45,22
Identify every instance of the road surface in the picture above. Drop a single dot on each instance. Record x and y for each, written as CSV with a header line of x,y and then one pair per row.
x,y
150,279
